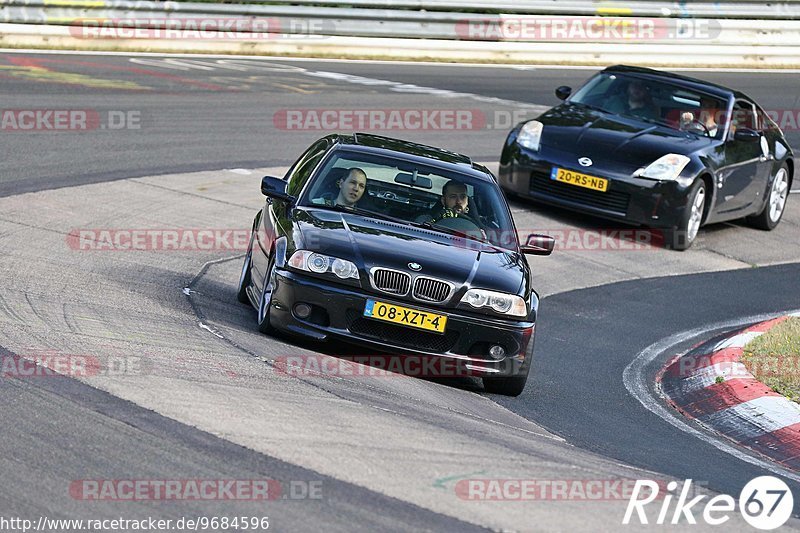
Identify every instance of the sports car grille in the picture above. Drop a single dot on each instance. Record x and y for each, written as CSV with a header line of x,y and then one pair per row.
x,y
431,290
400,335
610,200
391,281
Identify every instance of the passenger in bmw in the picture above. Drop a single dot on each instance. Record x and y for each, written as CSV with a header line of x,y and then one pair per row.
x,y
350,189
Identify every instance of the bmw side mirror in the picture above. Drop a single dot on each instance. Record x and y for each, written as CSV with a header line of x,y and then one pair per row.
x,y
539,245
273,187
746,135
563,92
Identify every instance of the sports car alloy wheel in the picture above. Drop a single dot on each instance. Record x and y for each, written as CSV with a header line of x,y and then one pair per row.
x,y
775,203
696,215
777,195
682,236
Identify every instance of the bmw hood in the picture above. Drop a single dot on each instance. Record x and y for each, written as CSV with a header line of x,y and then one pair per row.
x,y
608,137
372,242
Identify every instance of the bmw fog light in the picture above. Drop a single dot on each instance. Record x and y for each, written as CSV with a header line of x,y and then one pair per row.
x,y
302,310
497,351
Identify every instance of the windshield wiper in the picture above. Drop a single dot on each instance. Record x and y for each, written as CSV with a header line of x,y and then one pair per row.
x,y
362,212
590,106
455,232
652,121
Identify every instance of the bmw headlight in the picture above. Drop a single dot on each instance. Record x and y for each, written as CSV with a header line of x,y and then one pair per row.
x,y
321,264
530,135
666,168
500,302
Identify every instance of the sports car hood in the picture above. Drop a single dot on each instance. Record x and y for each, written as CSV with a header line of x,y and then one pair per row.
x,y
372,242
605,136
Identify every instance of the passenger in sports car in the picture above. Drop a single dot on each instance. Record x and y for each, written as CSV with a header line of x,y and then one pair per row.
x,y
706,119
351,189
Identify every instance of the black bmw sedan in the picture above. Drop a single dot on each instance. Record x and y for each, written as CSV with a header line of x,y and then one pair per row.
x,y
655,149
400,247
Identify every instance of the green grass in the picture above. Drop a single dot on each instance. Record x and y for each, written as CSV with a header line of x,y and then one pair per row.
x,y
774,358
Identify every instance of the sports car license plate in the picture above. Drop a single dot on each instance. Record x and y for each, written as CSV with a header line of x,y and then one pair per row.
x,y
581,180
405,316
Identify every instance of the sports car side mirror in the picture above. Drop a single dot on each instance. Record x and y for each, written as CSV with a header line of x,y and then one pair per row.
x,y
563,92
746,135
275,188
539,245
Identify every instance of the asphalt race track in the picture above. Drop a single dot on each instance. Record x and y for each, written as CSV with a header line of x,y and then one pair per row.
x,y
206,398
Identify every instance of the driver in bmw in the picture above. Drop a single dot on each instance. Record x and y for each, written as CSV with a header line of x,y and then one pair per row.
x,y
455,202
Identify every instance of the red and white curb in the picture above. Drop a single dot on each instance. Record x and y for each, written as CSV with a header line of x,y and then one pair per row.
x,y
712,386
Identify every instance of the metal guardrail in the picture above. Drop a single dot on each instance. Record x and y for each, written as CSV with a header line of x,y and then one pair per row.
x,y
787,9
570,53
641,8
308,20
681,33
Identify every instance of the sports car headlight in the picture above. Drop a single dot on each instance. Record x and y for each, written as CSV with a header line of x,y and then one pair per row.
x,y
668,167
321,264
530,135
500,302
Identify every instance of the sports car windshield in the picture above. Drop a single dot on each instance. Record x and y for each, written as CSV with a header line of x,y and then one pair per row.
x,y
655,101
413,194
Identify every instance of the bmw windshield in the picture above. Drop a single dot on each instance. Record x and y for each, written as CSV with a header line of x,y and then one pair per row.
x,y
406,192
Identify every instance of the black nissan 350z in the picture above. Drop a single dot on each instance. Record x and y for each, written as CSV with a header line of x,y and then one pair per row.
x,y
653,148
397,246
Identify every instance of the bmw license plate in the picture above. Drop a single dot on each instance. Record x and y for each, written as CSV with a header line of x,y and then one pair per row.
x,y
405,316
581,180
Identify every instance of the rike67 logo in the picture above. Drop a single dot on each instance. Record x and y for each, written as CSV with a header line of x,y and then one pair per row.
x,y
765,503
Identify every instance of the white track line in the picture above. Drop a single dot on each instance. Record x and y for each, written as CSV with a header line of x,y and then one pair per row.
x,y
384,62
635,380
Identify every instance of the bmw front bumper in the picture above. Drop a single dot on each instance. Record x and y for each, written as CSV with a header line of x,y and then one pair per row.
x,y
337,312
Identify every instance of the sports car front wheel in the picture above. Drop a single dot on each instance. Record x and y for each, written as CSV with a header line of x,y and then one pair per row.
x,y
683,235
